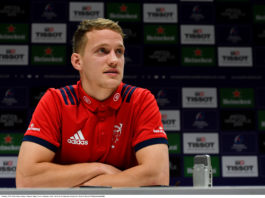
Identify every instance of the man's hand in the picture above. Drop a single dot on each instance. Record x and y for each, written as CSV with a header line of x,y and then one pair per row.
x,y
152,170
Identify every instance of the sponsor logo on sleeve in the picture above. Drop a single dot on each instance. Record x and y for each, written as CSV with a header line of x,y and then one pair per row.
x,y
240,166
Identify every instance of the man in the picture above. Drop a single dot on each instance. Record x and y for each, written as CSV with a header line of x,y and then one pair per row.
x,y
99,132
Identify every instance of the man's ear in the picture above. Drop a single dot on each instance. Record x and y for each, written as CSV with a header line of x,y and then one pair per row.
x,y
76,61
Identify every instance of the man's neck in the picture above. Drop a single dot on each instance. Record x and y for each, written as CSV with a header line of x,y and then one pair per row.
x,y
99,94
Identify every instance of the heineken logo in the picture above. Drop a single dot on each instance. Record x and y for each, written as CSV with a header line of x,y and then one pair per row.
x,y
13,32
124,11
123,8
48,55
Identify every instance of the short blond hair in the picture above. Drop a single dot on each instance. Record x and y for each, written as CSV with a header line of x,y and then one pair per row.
x,y
79,38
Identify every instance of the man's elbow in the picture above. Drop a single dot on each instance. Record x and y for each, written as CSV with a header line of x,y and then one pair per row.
x,y
160,178
23,181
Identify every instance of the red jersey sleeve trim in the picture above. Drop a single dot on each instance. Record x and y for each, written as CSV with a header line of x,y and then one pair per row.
x,y
41,142
150,142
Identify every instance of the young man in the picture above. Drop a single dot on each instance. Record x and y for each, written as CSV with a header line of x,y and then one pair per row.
x,y
99,132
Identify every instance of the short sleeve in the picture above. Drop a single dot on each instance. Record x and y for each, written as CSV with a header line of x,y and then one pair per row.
x,y
44,128
149,129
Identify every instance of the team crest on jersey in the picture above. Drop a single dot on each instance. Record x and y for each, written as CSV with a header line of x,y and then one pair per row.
x,y
116,134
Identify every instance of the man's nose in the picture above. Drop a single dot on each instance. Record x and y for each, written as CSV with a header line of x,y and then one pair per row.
x,y
112,59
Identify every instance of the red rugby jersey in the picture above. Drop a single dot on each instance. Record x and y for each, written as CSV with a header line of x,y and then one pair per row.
x,y
79,128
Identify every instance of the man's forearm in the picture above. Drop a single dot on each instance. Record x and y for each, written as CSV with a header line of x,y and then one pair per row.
x,y
46,174
133,177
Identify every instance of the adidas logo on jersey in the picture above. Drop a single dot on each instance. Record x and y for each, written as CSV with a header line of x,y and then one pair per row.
x,y
78,139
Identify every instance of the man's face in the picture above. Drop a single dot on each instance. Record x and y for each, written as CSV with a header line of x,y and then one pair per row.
x,y
102,60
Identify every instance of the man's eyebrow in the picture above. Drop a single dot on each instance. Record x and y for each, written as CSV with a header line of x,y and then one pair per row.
x,y
106,45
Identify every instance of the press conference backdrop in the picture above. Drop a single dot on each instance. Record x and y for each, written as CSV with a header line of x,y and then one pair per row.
x,y
204,60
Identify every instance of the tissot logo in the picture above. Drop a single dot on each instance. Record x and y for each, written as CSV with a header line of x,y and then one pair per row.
x,y
81,11
48,33
240,166
13,54
197,34
199,97
200,143
154,13
230,56
171,120
8,167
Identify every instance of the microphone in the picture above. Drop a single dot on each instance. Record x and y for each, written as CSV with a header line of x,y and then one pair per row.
x,y
202,171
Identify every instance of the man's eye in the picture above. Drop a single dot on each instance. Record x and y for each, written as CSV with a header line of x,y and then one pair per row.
x,y
102,50
119,51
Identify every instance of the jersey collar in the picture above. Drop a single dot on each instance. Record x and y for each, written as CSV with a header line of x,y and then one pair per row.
x,y
113,102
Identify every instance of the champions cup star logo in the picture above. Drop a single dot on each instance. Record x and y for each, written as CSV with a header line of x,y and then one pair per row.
x,y
160,30
236,93
8,139
198,52
11,28
123,8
